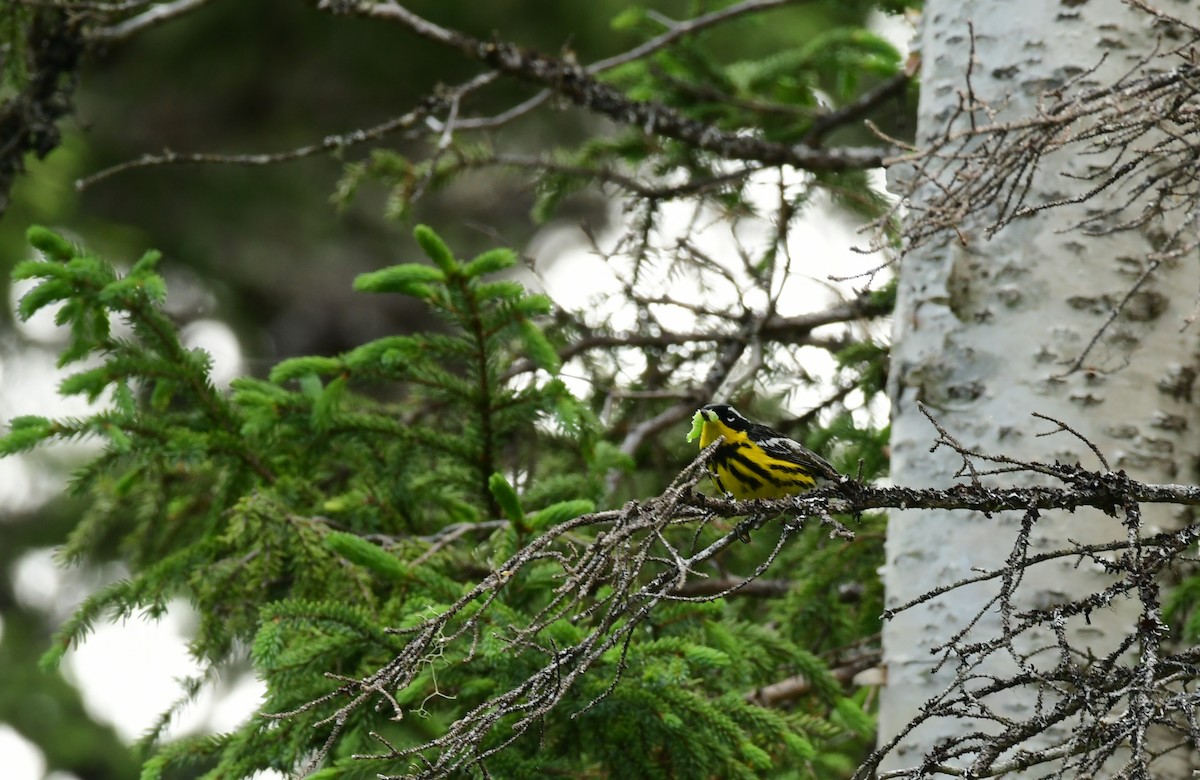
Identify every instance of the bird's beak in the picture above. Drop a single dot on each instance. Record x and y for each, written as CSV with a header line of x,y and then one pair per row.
x,y
709,415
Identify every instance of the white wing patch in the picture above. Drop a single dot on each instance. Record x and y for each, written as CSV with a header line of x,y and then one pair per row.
x,y
791,450
781,444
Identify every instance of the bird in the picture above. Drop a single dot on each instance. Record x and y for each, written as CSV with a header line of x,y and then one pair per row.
x,y
755,461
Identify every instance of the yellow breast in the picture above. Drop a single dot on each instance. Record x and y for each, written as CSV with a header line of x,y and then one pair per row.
x,y
744,471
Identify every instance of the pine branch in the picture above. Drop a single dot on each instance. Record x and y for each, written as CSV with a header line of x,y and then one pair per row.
x,y
634,538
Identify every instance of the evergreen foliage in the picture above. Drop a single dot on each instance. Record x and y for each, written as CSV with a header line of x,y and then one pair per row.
x,y
782,96
313,516
328,518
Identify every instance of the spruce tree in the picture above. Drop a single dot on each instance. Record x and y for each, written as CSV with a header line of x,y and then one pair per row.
x,y
328,517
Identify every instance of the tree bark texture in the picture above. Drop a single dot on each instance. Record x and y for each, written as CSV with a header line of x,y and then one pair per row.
x,y
986,332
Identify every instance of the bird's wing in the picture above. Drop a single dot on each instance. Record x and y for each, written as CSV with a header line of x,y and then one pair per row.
x,y
778,446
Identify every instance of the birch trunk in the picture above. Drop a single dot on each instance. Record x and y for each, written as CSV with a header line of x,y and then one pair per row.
x,y
984,332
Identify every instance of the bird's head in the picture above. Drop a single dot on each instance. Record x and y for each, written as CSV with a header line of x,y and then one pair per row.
x,y
718,415
726,415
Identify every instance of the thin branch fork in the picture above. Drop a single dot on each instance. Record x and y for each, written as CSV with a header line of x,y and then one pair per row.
x,y
793,330
637,565
573,82
118,31
987,168
329,144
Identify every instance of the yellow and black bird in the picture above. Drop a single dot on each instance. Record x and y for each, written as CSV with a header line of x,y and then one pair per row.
x,y
755,461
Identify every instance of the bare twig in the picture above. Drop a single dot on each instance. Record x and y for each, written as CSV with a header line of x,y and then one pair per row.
x,y
328,144
1142,126
574,83
1077,363
799,686
151,17
640,566
825,123
1062,426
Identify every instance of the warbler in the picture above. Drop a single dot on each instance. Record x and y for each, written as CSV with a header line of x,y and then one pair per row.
x,y
755,461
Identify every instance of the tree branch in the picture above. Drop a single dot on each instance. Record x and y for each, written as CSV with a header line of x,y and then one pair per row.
x,y
151,17
573,82
29,119
799,686
609,586
826,123
331,143
795,330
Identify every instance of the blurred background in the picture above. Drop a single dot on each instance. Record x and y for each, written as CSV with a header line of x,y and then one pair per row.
x,y
259,263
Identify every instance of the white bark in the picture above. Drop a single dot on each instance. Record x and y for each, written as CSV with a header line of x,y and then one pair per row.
x,y
982,331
